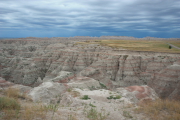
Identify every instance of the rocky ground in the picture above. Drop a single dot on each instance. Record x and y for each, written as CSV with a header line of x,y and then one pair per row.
x,y
87,80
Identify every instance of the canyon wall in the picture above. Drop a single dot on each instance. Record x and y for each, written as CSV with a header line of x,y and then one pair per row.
x,y
31,62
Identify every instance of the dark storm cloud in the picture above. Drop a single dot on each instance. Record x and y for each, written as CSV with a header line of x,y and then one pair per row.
x,y
113,16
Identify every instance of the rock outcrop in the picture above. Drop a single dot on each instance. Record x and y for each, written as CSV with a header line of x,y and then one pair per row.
x,y
47,92
138,94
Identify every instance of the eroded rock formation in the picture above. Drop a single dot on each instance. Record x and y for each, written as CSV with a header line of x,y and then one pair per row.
x,y
31,62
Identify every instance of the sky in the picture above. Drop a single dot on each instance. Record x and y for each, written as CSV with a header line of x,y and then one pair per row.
x,y
68,18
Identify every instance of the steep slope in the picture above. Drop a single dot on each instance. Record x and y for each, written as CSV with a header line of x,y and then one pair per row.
x,y
166,83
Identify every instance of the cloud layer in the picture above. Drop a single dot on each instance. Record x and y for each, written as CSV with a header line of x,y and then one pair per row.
x,y
48,18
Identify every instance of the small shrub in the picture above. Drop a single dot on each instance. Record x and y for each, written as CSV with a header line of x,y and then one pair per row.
x,y
7,103
127,114
114,97
102,85
85,97
69,89
73,93
92,105
92,88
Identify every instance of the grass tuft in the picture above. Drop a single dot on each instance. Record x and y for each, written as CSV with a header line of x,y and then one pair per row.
x,y
93,114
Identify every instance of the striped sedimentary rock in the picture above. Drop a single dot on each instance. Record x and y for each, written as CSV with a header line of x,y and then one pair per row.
x,y
167,82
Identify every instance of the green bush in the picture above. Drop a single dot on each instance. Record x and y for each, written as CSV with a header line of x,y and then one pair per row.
x,y
114,97
85,97
7,103
102,85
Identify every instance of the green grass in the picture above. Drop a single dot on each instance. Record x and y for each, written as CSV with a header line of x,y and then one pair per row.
x,y
102,85
7,103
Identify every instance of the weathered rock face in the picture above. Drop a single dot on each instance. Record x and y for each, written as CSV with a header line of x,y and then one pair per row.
x,y
84,83
166,83
47,92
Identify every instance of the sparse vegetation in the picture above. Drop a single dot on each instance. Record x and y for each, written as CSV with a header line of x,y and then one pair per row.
x,y
93,114
102,85
114,97
85,97
127,114
92,105
73,93
7,103
161,109
14,93
92,88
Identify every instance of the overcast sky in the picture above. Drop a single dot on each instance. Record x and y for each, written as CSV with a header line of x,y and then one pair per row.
x,y
65,18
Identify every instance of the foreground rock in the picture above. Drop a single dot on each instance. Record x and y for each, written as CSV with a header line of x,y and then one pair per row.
x,y
111,104
47,92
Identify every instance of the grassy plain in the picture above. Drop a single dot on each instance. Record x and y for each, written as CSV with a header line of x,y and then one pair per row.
x,y
138,45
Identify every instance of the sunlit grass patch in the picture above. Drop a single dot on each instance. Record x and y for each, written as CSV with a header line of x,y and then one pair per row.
x,y
138,45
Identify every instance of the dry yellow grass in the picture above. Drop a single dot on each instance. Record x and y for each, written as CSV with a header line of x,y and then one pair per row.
x,y
31,112
12,92
161,109
138,45
13,107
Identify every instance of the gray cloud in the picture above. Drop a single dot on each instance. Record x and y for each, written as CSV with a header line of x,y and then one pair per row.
x,y
100,15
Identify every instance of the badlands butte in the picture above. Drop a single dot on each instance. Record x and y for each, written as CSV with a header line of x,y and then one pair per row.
x,y
107,72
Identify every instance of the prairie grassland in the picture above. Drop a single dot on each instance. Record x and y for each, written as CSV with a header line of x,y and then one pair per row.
x,y
138,45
